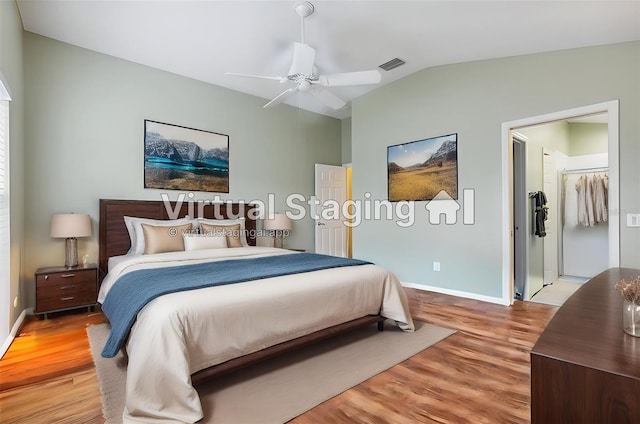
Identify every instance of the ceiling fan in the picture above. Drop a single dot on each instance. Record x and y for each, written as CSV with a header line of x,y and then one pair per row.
x,y
305,75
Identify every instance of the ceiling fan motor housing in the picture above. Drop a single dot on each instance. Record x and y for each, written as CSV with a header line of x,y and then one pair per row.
x,y
303,8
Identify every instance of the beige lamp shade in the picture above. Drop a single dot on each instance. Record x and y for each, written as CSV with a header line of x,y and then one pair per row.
x,y
67,225
278,221
70,226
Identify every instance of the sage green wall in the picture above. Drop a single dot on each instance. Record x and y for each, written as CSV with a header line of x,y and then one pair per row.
x,y
473,99
346,140
11,66
84,139
593,138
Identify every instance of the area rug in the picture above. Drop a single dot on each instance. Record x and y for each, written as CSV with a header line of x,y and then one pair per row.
x,y
278,390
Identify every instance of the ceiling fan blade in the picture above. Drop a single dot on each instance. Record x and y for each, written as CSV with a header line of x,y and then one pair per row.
x,y
303,57
254,76
281,97
350,78
328,98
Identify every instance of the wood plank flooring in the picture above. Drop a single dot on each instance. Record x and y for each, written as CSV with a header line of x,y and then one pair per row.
x,y
478,375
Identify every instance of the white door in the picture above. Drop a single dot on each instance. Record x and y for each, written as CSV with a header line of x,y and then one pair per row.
x,y
550,242
331,191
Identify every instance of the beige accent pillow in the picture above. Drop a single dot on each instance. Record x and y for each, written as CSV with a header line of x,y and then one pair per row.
x,y
160,239
135,230
204,241
232,232
224,223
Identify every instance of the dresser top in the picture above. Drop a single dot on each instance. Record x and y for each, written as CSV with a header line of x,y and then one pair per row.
x,y
587,329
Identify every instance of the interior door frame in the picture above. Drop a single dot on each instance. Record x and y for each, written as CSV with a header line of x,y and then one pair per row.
x,y
520,235
612,109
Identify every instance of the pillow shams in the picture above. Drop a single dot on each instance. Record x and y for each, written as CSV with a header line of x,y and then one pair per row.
x,y
204,241
134,227
160,239
225,223
232,233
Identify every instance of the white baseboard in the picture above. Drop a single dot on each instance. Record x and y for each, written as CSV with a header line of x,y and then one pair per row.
x,y
467,295
14,331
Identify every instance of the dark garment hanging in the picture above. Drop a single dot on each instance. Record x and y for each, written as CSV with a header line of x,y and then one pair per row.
x,y
540,200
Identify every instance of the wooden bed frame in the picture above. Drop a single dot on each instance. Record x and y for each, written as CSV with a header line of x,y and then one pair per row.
x,y
114,241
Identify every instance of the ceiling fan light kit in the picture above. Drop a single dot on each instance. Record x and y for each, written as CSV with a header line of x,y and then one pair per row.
x,y
305,75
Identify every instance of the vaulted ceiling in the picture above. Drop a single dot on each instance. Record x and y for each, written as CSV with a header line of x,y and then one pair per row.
x,y
205,39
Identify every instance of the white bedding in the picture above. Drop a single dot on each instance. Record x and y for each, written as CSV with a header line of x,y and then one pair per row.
x,y
181,333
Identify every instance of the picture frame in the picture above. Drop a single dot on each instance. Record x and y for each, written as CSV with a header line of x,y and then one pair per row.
x,y
183,158
421,169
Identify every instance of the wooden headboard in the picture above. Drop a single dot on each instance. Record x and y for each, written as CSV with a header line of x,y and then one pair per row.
x,y
114,237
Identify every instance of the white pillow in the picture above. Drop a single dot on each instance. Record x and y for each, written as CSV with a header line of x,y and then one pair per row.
x,y
226,222
134,226
202,241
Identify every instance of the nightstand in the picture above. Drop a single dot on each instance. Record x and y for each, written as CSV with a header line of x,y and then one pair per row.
x,y
61,288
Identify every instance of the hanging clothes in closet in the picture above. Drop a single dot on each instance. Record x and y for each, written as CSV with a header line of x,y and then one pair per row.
x,y
592,199
540,210
600,193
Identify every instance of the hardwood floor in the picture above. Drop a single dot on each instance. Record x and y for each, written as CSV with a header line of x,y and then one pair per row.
x,y
478,375
48,376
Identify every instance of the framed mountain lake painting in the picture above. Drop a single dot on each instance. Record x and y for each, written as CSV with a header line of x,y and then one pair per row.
x,y
181,158
419,170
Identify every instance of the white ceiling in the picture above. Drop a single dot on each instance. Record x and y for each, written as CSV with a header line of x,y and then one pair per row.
x,y
205,39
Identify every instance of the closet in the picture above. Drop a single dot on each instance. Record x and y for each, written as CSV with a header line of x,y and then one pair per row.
x,y
559,156
585,229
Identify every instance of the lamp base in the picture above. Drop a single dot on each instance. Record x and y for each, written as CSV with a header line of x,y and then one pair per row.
x,y
278,239
71,252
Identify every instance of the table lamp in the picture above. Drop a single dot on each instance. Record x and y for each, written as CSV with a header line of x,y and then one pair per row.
x,y
278,222
70,226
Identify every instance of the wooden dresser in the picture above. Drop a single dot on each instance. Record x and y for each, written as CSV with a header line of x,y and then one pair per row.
x,y
584,367
60,288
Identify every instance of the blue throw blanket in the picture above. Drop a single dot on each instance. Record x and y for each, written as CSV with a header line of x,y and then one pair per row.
x,y
134,290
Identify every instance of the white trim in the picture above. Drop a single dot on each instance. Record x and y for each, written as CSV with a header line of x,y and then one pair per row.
x,y
14,331
5,217
458,293
611,108
5,93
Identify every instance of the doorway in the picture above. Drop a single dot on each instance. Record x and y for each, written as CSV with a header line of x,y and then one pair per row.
x,y
521,277
562,155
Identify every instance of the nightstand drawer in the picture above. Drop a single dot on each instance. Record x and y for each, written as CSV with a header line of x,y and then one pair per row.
x,y
62,300
70,288
67,277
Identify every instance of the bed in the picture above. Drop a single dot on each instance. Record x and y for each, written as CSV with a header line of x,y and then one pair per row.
x,y
181,338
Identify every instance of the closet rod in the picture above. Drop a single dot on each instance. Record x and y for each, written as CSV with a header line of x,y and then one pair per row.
x,y
586,170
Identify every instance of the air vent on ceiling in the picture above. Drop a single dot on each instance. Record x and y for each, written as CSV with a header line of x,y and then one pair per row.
x,y
392,64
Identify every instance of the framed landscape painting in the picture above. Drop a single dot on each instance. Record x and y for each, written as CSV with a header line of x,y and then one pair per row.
x,y
181,158
419,170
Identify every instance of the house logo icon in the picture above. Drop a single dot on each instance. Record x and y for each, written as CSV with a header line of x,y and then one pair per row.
x,y
443,204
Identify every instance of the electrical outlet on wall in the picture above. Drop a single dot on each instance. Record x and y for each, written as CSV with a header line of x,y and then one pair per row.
x,y
633,220
436,266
